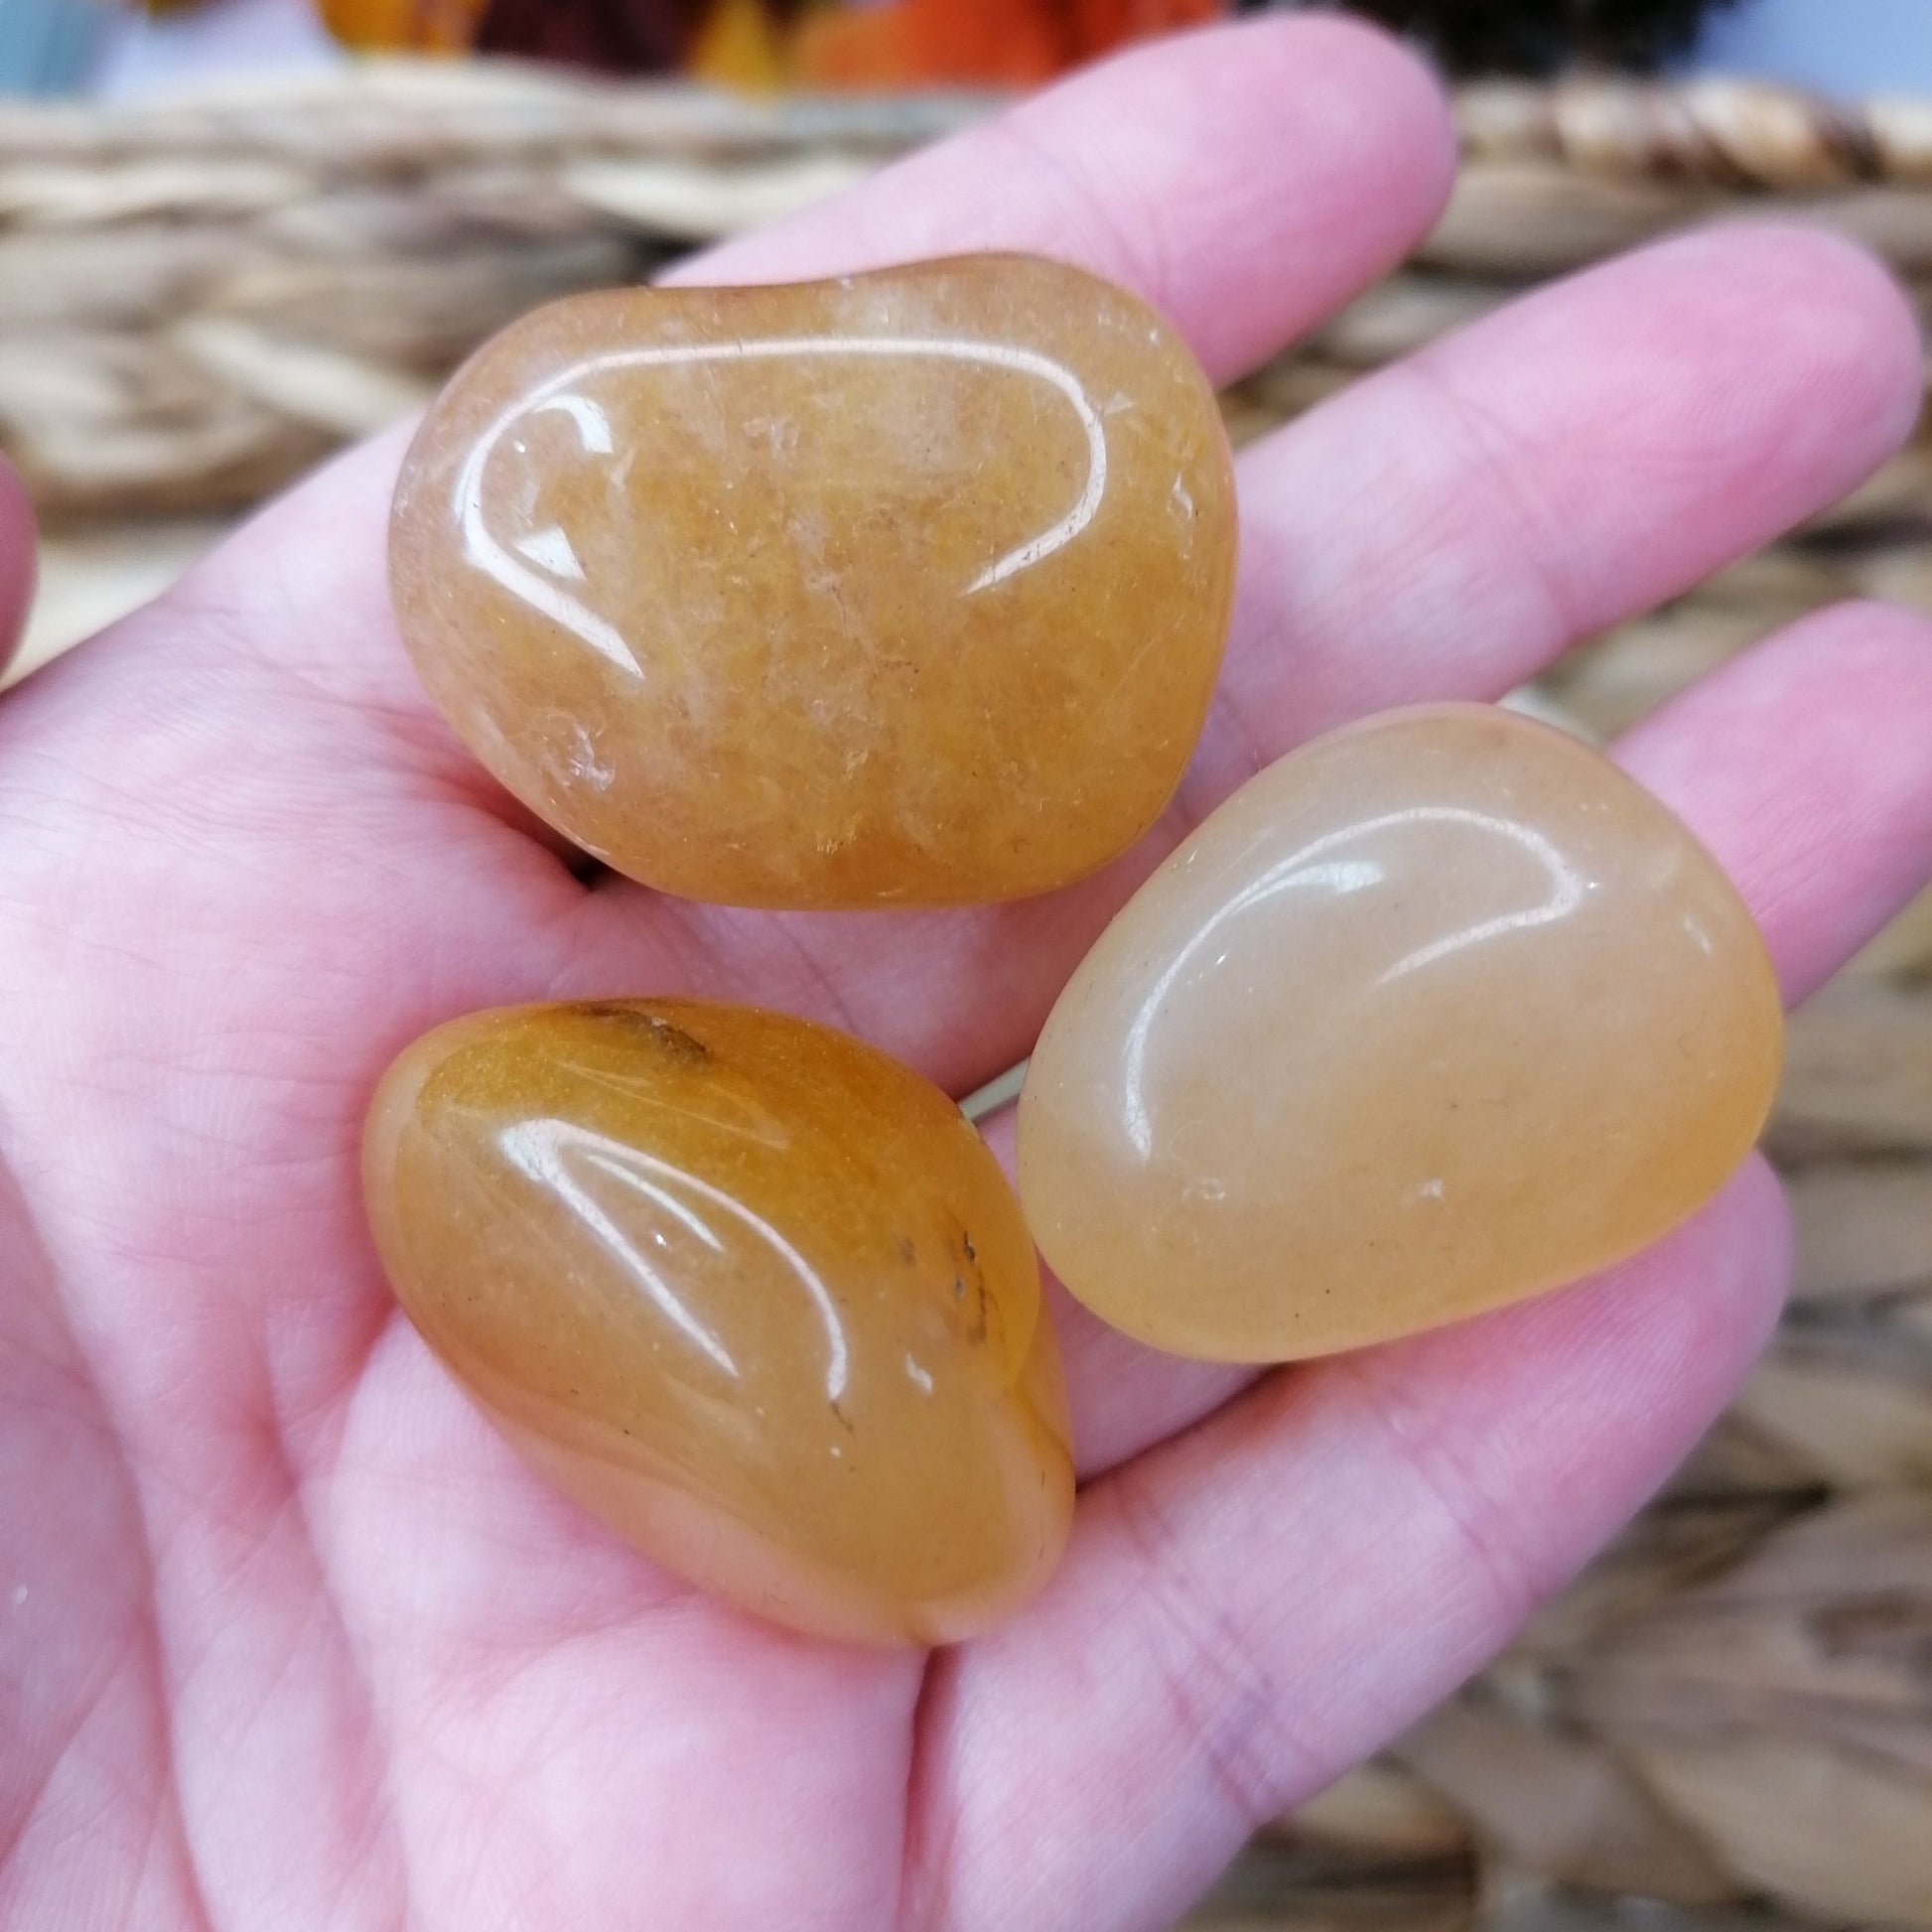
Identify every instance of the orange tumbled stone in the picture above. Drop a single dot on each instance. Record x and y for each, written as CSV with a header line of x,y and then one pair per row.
x,y
749,1291
1435,1013
905,588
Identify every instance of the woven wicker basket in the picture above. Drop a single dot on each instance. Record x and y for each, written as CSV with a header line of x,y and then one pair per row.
x,y
1731,1717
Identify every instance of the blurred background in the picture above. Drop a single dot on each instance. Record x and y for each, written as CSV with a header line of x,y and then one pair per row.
x,y
107,48
234,235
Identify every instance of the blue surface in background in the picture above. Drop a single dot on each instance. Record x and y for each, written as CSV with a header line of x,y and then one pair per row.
x,y
1841,46
50,46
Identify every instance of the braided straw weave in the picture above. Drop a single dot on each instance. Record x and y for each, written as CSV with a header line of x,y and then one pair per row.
x,y
1730,1719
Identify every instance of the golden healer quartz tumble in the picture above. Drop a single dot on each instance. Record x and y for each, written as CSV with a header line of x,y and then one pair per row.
x,y
749,1291
905,588
1435,1013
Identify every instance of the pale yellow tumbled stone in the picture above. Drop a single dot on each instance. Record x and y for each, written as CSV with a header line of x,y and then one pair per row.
x,y
1435,1013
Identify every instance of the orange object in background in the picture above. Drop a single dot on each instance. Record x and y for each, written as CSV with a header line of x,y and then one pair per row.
x,y
993,42
767,44
429,26
741,43
615,35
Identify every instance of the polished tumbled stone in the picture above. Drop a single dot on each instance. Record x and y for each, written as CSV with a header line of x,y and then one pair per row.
x,y
751,1291
905,588
1435,1013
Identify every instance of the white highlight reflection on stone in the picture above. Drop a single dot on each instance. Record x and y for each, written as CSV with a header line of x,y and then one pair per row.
x,y
1311,869
550,550
548,1151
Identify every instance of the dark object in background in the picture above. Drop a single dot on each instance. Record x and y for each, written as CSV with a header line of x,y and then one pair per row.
x,y
1543,36
914,43
833,44
628,36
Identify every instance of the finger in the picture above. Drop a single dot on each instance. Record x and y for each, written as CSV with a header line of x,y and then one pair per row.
x,y
1245,180
1444,530
1803,765
1262,1601
16,561
1806,767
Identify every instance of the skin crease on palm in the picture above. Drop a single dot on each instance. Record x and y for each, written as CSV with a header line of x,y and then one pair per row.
x,y
289,1638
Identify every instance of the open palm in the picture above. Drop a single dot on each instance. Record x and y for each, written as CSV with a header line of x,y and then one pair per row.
x,y
289,1639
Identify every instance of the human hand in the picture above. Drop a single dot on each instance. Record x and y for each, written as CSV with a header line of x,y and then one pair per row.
x,y
289,1638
